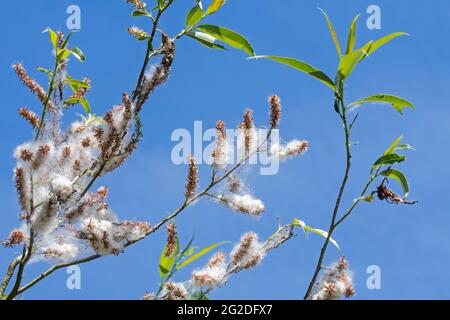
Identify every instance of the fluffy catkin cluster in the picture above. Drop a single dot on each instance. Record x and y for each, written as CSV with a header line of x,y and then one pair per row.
x,y
213,274
55,171
174,291
292,149
336,282
244,203
245,255
249,144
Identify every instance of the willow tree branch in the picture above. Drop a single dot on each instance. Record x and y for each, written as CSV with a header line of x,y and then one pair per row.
x,y
9,273
338,199
147,54
26,255
357,201
155,228
47,100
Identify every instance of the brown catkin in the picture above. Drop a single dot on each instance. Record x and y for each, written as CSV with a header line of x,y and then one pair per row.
x,y
20,183
29,116
30,83
171,239
243,248
159,76
192,179
216,259
41,154
275,110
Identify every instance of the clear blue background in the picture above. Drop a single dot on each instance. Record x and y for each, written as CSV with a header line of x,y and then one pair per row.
x,y
411,244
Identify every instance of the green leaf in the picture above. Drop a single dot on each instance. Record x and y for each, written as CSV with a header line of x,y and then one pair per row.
x,y
400,177
306,229
77,53
396,102
161,4
86,105
53,37
43,70
393,146
63,54
386,160
72,101
166,263
303,67
214,6
206,40
375,45
229,37
368,198
405,146
66,40
190,252
351,36
188,247
194,16
76,84
349,62
389,159
141,13
333,33
200,254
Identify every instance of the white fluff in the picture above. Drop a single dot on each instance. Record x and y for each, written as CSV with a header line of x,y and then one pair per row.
x,y
244,203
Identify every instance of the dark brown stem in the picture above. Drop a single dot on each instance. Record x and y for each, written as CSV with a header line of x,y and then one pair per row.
x,y
147,55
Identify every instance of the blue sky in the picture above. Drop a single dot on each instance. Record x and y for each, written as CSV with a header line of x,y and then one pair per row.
x,y
411,244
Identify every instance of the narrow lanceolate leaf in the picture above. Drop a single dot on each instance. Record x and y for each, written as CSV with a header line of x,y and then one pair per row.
x,y
333,34
194,16
77,53
63,54
405,146
214,6
351,36
43,70
306,229
86,105
76,84
380,42
303,67
400,177
141,13
199,254
396,102
393,146
206,40
229,37
53,37
387,160
350,61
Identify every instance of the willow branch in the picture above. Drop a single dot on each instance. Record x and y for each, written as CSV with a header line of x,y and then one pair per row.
x,y
155,228
9,273
338,199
